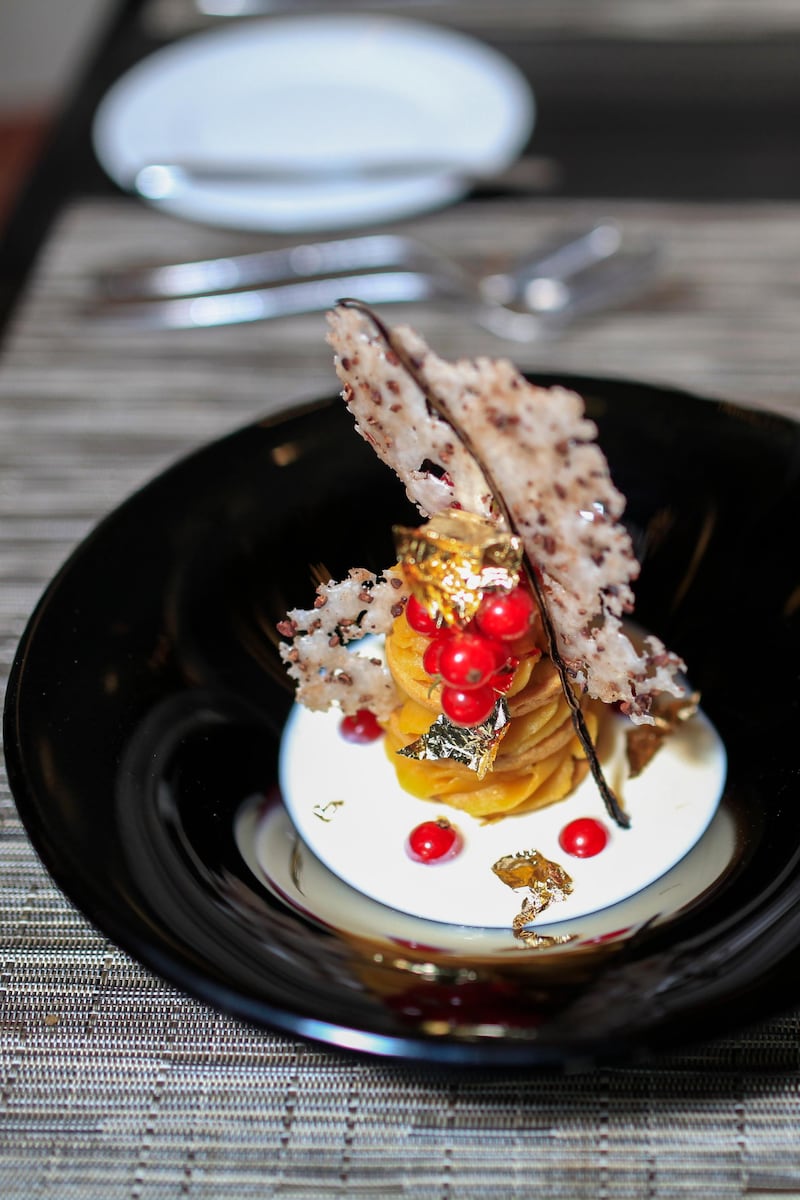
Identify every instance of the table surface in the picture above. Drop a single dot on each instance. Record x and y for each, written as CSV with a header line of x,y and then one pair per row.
x,y
113,1084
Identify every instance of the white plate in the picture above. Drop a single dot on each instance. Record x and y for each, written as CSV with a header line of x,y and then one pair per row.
x,y
306,90
348,807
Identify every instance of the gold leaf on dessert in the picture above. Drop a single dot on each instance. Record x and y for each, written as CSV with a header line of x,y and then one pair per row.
x,y
453,559
474,747
546,881
326,812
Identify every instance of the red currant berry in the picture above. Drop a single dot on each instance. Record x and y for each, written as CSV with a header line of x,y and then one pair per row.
x,y
419,618
503,678
433,651
467,660
583,838
468,706
362,727
505,615
433,840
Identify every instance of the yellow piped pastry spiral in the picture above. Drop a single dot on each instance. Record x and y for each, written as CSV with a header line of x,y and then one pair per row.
x,y
539,761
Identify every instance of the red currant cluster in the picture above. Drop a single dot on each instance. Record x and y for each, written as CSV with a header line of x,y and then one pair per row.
x,y
477,662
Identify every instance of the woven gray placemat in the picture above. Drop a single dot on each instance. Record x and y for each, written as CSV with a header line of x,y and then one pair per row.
x,y
113,1084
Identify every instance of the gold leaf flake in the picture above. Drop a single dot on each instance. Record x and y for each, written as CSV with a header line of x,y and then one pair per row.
x,y
547,884
474,747
453,559
546,881
326,812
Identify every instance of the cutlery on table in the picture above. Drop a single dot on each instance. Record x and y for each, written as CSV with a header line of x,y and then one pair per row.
x,y
566,255
539,293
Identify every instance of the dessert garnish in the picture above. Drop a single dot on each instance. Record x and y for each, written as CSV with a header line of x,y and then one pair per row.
x,y
583,838
503,617
432,841
326,812
547,882
474,745
531,939
361,727
453,560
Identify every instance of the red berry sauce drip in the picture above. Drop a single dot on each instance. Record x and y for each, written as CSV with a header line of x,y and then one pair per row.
x,y
583,838
433,841
363,727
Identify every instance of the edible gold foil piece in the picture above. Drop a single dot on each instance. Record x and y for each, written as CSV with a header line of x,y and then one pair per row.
x,y
474,747
532,940
547,881
453,559
326,812
529,937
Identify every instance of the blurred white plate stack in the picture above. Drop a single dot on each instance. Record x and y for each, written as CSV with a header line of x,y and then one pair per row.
x,y
308,93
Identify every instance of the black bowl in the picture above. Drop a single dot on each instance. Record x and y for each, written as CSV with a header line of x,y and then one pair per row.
x,y
146,705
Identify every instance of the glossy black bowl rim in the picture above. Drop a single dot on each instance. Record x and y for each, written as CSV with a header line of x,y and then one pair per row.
x,y
421,1049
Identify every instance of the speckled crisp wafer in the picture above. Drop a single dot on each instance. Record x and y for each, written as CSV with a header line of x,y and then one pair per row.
x,y
315,650
539,450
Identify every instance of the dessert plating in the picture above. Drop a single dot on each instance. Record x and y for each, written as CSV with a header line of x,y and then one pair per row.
x,y
503,618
